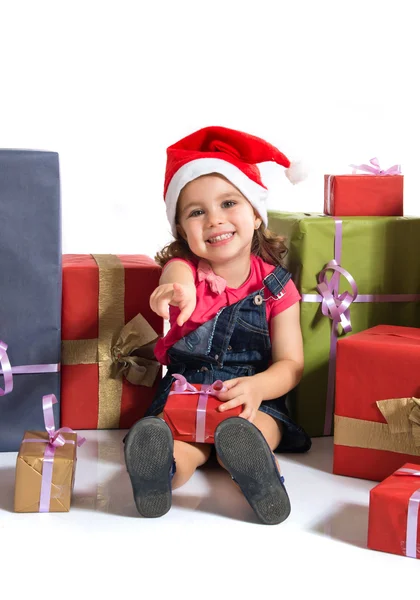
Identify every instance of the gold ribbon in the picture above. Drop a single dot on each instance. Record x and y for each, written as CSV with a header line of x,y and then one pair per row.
x,y
120,349
401,433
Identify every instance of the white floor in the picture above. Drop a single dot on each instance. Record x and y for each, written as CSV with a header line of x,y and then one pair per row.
x,y
208,544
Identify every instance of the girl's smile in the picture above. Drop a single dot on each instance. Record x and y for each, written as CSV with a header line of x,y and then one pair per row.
x,y
221,239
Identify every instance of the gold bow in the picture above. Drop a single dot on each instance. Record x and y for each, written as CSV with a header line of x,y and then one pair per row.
x,y
402,416
401,433
133,355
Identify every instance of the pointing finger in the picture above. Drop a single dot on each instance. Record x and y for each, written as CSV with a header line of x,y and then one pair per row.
x,y
185,313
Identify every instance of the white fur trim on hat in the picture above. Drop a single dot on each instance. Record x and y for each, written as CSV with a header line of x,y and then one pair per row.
x,y
297,172
252,191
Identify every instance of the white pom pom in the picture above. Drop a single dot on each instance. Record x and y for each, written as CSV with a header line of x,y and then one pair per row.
x,y
296,172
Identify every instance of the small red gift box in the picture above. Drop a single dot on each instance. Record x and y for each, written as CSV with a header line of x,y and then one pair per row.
x,y
364,195
394,524
191,411
377,406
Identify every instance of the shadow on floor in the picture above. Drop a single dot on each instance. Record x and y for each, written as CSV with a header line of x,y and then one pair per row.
x,y
7,488
320,457
223,497
348,523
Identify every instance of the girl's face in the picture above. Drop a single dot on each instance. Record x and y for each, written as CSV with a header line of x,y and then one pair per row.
x,y
217,221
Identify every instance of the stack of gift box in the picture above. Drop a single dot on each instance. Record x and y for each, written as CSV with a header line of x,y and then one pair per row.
x,y
79,328
74,327
357,267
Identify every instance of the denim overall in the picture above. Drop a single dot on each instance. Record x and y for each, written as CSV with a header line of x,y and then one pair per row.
x,y
235,343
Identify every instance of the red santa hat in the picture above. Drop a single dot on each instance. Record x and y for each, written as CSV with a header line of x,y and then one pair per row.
x,y
230,153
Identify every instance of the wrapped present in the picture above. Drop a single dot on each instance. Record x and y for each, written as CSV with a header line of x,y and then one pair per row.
x,y
30,307
353,273
45,466
373,193
377,414
109,372
191,411
394,524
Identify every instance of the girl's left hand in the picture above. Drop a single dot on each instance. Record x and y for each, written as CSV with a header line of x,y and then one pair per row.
x,y
242,390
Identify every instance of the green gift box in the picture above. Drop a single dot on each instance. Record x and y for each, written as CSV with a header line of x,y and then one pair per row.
x,y
381,256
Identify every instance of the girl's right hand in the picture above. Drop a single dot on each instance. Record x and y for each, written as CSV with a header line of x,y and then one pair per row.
x,y
182,295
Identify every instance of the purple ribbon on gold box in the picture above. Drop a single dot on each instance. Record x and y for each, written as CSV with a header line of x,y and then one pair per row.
x,y
55,440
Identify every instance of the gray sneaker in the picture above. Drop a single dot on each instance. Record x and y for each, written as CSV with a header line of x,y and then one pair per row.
x,y
246,455
148,450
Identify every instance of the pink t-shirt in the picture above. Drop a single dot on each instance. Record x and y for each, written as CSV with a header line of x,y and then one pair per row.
x,y
209,303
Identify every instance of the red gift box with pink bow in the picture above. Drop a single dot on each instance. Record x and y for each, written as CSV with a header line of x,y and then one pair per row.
x,y
191,411
372,193
394,524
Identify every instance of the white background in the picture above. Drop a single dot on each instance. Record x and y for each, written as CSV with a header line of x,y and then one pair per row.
x,y
109,85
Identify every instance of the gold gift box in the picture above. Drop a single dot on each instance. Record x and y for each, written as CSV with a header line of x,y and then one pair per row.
x,y
29,466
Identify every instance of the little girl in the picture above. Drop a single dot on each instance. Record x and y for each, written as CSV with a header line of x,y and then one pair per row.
x,y
234,316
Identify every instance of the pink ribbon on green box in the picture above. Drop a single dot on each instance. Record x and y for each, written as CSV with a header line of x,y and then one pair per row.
x,y
337,306
412,515
55,439
181,386
8,371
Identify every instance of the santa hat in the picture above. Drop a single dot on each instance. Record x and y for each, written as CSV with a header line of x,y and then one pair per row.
x,y
230,153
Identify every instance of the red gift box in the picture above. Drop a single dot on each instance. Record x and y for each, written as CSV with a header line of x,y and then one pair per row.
x,y
377,411
394,524
364,195
191,411
109,375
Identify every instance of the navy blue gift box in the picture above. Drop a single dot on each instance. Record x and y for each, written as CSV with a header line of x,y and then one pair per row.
x,y
30,290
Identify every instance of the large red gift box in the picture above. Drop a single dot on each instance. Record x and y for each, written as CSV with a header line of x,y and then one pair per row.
x,y
194,417
109,374
394,524
364,195
377,406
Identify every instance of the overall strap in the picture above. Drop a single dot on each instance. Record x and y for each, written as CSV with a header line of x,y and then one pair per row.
x,y
276,281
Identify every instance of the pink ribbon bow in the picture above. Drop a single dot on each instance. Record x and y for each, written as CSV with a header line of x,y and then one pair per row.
x,y
181,386
375,169
412,515
334,305
205,273
55,439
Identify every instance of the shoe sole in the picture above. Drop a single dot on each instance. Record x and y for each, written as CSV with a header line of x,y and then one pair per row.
x,y
248,458
148,454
